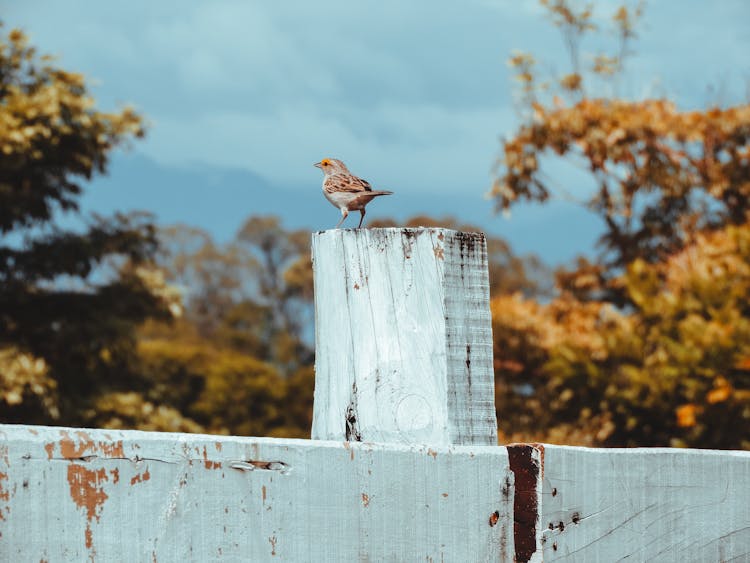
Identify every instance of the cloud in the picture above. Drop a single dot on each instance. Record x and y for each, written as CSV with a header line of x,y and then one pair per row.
x,y
413,92
419,149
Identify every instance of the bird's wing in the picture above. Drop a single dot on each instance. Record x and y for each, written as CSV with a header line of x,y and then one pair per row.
x,y
346,183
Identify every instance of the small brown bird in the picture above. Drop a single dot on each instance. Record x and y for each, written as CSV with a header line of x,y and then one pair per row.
x,y
344,190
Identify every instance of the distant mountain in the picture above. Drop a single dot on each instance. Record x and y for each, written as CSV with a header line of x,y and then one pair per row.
x,y
215,199
220,199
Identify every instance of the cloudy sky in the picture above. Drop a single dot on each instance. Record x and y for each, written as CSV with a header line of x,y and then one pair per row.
x,y
412,95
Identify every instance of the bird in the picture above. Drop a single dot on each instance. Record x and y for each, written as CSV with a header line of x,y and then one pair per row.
x,y
344,190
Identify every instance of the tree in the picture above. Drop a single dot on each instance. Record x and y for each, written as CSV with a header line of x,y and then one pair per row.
x,y
70,299
675,371
283,278
647,343
238,360
253,294
660,174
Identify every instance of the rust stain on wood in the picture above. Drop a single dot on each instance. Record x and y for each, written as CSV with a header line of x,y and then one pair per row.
x,y
263,493
432,452
4,496
527,471
87,491
89,535
50,449
71,448
272,541
115,475
112,450
439,252
365,500
5,493
140,477
347,446
218,446
209,464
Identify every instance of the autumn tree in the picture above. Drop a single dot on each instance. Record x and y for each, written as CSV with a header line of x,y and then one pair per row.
x,y
70,299
284,283
647,342
239,360
253,294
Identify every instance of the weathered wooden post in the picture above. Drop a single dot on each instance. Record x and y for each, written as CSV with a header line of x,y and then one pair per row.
x,y
403,337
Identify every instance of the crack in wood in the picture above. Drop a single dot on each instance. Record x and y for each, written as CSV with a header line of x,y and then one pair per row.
x,y
352,427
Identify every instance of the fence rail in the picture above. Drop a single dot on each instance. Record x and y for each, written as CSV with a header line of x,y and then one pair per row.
x,y
71,494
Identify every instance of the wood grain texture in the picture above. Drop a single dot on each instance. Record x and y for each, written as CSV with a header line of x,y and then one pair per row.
x,y
645,505
403,337
104,495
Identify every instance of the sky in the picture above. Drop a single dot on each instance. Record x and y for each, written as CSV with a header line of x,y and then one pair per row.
x,y
242,97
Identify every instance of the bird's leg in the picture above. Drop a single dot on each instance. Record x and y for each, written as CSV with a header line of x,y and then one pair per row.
x,y
344,215
361,217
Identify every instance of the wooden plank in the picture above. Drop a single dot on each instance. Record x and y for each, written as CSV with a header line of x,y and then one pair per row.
x,y
645,505
403,337
105,495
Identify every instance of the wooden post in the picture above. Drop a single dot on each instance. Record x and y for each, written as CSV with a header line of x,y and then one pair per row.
x,y
403,337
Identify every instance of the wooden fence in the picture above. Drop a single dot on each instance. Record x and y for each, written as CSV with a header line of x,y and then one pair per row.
x,y
403,465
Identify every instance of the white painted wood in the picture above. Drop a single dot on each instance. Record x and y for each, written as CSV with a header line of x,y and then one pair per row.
x,y
403,337
645,505
105,495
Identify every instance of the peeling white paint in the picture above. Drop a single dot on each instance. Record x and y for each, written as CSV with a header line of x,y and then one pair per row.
x,y
149,496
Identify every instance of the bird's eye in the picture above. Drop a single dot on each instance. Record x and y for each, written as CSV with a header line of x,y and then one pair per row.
x,y
325,162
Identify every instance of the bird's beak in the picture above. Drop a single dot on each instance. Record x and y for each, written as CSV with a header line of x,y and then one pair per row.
x,y
318,165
